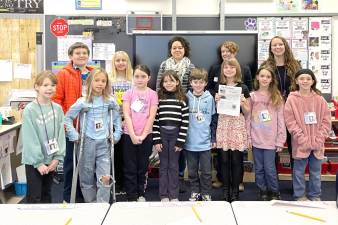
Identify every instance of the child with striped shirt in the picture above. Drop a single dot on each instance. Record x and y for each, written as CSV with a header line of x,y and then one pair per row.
x,y
169,132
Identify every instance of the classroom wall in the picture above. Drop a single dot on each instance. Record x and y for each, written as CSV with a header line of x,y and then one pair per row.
x,y
233,7
120,7
201,8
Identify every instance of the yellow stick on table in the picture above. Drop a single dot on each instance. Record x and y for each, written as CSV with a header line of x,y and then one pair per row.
x,y
68,221
306,216
196,213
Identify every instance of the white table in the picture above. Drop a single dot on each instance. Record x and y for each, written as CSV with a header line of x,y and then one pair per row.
x,y
53,214
266,213
170,213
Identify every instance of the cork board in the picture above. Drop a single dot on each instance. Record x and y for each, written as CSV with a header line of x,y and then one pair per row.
x,y
18,43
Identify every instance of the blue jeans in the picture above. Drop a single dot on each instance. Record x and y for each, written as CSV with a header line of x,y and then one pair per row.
x,y
95,160
265,169
314,187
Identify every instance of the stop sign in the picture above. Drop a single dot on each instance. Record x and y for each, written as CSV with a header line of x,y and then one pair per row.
x,y
59,27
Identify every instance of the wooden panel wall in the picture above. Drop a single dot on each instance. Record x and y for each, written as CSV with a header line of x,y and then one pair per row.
x,y
18,43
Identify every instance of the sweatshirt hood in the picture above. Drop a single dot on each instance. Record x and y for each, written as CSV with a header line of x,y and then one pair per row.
x,y
297,94
206,94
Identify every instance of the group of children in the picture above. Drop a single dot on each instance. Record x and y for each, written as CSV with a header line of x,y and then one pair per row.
x,y
170,120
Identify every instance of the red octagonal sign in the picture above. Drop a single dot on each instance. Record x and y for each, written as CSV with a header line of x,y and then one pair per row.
x,y
59,27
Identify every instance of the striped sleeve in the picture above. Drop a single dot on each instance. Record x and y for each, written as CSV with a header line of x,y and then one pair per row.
x,y
184,125
156,129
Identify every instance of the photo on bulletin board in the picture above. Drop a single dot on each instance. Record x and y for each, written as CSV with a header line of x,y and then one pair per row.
x,y
88,4
287,5
310,4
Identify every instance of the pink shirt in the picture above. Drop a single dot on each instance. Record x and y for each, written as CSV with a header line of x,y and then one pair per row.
x,y
139,118
265,133
307,137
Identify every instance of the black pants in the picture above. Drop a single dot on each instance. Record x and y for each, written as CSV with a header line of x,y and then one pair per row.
x,y
232,166
136,161
38,186
219,169
118,164
68,174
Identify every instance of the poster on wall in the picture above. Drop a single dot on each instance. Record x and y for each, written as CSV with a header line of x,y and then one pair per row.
x,y
21,6
88,4
320,51
287,5
266,28
310,4
65,42
300,28
283,27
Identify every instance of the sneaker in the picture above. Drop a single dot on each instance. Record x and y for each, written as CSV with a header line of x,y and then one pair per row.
x,y
263,195
165,200
217,184
206,198
141,199
241,187
303,198
194,197
174,200
315,199
275,196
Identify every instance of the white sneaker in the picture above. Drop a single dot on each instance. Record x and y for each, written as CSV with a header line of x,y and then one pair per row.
x,y
206,198
141,199
165,200
315,199
174,200
303,198
194,197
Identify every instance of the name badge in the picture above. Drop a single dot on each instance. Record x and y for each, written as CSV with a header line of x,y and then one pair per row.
x,y
52,146
310,118
98,124
137,105
215,79
200,117
264,116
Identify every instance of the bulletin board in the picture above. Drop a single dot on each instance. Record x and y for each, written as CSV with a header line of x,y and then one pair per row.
x,y
104,30
309,37
18,44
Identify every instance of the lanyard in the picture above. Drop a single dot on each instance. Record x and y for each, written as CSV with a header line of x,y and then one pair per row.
x,y
282,86
43,118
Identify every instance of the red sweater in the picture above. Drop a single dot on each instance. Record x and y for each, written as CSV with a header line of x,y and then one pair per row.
x,y
69,87
307,137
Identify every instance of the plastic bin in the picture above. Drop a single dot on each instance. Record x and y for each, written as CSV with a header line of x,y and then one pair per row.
x,y
20,188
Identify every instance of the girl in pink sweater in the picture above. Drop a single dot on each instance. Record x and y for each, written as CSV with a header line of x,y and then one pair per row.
x,y
308,119
266,131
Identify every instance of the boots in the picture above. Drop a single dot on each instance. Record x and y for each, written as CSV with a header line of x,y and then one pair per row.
x,y
226,194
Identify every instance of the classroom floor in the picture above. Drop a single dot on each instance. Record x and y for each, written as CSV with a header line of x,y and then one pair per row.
x,y
250,193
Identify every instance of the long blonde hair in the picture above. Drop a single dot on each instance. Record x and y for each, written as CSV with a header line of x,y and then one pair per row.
x,y
107,89
238,75
129,69
276,97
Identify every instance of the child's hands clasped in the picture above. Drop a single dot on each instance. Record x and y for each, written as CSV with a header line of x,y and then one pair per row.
x,y
178,149
52,166
279,149
158,147
43,169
